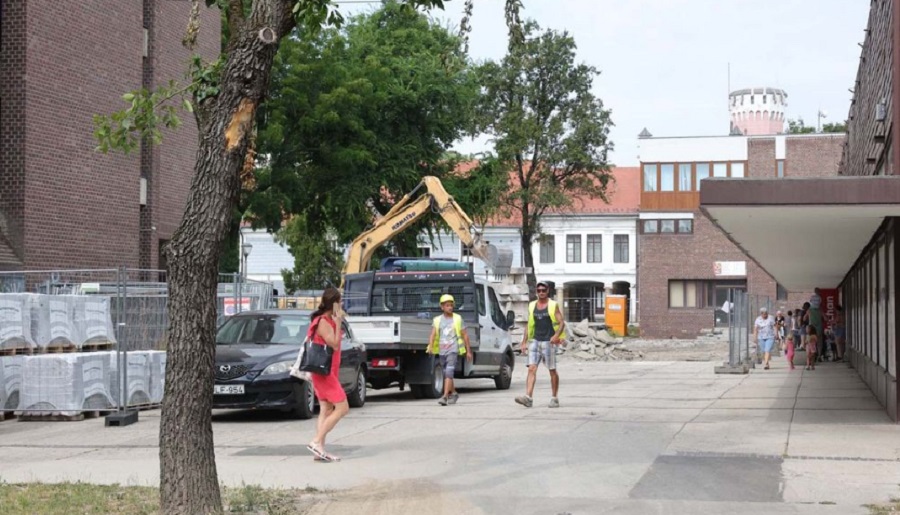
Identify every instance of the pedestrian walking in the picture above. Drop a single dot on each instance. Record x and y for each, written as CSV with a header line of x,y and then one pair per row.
x,y
840,332
812,347
780,328
789,350
545,331
814,318
764,332
449,340
332,399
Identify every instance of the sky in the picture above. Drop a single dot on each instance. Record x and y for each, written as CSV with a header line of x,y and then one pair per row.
x,y
665,63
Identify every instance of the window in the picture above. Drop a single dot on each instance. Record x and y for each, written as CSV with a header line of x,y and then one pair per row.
x,y
700,294
573,248
779,165
620,247
720,169
426,251
781,292
685,226
684,177
667,177
650,178
737,169
479,299
548,249
466,250
702,173
751,99
667,226
594,248
651,226
765,98
496,311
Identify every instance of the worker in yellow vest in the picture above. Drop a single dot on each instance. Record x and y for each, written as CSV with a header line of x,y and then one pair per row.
x,y
449,340
545,331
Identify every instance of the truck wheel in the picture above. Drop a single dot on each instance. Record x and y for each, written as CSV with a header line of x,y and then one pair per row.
x,y
504,379
305,400
434,389
357,397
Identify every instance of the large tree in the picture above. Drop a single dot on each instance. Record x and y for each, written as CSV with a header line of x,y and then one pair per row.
x,y
356,117
548,126
224,97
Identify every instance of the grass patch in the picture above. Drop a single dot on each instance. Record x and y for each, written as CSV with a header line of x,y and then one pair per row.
x,y
880,509
86,498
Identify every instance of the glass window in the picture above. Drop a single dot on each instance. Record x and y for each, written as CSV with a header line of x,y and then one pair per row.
x,y
737,169
496,311
479,299
684,177
685,226
690,294
651,226
594,248
781,292
280,329
548,249
676,294
780,167
720,170
702,173
650,178
573,248
667,226
667,177
620,246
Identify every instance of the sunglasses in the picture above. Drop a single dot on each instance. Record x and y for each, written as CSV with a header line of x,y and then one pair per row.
x,y
541,290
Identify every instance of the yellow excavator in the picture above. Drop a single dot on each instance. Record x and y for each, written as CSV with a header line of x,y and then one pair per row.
x,y
434,199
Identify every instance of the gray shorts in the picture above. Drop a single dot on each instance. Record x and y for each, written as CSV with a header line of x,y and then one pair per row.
x,y
448,364
542,351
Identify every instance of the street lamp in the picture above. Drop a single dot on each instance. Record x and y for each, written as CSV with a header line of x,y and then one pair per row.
x,y
245,250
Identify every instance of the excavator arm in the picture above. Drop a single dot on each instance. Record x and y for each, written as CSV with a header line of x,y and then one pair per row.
x,y
407,211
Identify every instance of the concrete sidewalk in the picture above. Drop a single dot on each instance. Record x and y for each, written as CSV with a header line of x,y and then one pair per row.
x,y
638,437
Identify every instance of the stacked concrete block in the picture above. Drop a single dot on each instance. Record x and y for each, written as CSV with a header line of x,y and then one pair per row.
x,y
53,321
157,376
51,384
138,380
10,381
93,320
15,321
97,379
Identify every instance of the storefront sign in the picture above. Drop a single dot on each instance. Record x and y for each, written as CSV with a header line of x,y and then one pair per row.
x,y
829,306
730,268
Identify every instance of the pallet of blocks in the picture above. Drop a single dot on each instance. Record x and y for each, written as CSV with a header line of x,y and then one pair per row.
x,y
157,376
65,386
138,391
10,384
93,322
15,324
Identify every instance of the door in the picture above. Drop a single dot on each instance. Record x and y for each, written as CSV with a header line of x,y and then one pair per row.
x,y
486,338
350,358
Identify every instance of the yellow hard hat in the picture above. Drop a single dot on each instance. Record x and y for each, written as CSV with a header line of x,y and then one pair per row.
x,y
447,298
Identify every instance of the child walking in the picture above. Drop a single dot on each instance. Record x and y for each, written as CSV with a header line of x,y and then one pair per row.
x,y
450,341
812,342
789,350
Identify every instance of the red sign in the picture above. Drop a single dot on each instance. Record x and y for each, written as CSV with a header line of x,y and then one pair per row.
x,y
231,305
829,305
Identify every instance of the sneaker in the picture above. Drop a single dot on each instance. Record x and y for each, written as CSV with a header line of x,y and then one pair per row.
x,y
443,401
453,398
554,403
524,400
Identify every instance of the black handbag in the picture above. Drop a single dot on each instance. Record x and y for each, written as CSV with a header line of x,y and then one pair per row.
x,y
316,358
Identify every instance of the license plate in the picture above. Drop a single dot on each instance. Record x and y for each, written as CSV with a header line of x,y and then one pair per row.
x,y
229,389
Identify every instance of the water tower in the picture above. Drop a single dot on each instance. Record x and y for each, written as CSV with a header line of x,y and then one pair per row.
x,y
756,111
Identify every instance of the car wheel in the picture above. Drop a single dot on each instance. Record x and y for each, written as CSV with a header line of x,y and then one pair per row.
x,y
357,397
304,400
504,379
436,388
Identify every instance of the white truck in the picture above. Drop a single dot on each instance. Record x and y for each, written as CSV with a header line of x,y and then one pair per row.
x,y
391,313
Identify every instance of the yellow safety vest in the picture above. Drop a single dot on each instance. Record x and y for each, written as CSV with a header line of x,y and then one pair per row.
x,y
458,325
551,308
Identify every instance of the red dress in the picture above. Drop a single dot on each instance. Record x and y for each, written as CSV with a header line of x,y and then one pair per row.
x,y
328,387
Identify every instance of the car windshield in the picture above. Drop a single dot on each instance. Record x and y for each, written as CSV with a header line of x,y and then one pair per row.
x,y
420,298
263,329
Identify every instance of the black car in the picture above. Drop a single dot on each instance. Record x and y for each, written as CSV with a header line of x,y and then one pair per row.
x,y
254,354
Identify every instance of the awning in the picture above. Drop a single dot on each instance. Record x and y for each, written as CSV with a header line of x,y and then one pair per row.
x,y
805,232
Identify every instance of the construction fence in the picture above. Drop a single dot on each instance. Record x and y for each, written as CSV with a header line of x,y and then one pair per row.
x,y
76,341
742,313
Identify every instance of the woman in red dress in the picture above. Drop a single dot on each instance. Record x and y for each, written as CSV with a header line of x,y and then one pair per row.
x,y
332,399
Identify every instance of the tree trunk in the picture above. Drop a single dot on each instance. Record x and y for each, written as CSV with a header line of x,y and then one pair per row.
x,y
188,479
528,252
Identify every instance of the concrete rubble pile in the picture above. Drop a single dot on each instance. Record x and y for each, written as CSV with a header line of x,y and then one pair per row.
x,y
588,343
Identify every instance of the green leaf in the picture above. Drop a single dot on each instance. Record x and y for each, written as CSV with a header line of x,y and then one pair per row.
x,y
128,97
188,106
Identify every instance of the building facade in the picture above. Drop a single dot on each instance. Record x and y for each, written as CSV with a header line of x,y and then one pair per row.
x,y
686,264
860,210
63,205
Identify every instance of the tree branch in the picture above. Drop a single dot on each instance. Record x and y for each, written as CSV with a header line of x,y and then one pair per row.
x,y
235,17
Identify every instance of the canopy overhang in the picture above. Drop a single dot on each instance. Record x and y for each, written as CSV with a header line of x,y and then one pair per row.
x,y
805,232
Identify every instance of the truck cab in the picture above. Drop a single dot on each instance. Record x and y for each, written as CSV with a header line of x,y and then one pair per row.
x,y
391,312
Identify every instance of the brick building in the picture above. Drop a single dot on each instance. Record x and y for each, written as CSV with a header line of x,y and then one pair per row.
x,y
687,265
860,210
63,205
